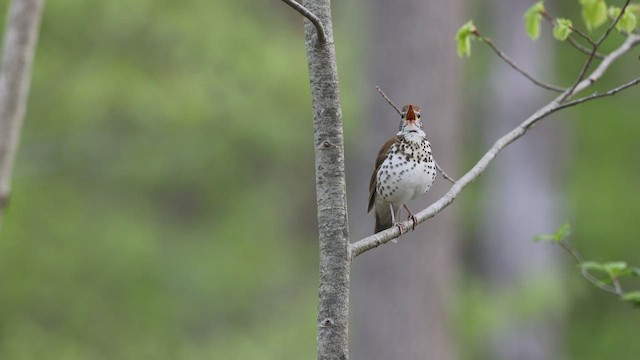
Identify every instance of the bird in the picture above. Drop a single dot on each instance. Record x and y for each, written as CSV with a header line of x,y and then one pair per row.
x,y
404,170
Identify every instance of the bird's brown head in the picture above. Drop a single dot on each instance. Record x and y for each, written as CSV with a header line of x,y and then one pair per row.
x,y
411,113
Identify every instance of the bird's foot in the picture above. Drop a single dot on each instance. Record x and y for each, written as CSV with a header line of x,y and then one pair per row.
x,y
413,218
401,227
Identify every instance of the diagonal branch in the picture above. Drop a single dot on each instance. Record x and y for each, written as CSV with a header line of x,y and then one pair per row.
x,y
389,100
444,175
596,95
322,37
383,237
587,63
515,66
569,248
573,41
20,38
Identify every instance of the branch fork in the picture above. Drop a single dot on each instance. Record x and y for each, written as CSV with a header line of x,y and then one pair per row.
x,y
322,36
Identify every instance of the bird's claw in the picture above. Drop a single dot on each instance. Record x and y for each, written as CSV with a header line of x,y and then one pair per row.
x,y
414,221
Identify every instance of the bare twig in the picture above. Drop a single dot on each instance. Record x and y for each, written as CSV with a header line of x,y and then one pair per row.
x,y
556,104
587,63
599,95
388,100
444,174
322,37
20,38
569,248
584,49
551,21
515,66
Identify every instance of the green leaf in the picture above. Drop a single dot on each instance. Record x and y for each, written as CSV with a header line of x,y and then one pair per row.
x,y
532,19
627,22
560,234
562,29
594,13
633,297
592,265
463,38
615,268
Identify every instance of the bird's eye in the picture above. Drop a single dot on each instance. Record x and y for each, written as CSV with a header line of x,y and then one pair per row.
x,y
418,116
403,114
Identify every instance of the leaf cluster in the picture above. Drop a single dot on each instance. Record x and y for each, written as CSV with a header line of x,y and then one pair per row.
x,y
595,13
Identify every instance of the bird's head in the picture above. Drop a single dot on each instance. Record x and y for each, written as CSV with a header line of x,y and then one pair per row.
x,y
411,116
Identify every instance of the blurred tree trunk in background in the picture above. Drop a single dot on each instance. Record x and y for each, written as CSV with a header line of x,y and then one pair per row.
x,y
521,198
401,292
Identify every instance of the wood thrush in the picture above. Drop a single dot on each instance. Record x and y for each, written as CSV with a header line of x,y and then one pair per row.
x,y
404,170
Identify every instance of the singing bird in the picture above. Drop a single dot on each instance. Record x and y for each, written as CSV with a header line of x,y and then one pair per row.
x,y
404,170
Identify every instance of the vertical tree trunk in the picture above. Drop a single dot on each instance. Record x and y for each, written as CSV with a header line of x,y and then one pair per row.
x,y
521,198
401,290
20,38
333,308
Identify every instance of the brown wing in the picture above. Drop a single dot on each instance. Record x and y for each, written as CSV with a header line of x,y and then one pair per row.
x,y
374,177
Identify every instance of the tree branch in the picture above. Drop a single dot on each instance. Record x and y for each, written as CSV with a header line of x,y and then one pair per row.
x,y
322,36
587,63
599,95
388,100
444,175
515,66
20,38
569,248
556,104
573,41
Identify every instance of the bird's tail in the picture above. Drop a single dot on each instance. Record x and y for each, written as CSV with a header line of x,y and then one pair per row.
x,y
384,219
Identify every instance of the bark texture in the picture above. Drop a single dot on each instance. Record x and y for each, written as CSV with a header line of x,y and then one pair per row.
x,y
401,291
20,38
521,198
333,308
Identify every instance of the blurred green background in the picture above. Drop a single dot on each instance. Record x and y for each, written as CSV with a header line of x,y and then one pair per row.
x,y
163,202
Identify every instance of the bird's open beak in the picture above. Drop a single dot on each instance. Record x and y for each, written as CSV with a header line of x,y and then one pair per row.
x,y
411,114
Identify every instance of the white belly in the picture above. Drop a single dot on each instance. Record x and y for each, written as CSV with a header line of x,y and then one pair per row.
x,y
399,181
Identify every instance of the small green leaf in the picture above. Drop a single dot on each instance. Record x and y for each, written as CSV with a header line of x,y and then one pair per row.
x,y
463,38
544,237
560,234
532,19
632,297
627,22
562,29
615,268
592,265
594,13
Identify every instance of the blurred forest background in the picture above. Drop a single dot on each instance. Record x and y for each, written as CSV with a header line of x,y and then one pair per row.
x,y
164,198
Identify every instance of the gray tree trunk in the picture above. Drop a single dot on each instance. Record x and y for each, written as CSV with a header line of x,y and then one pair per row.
x,y
20,38
333,307
521,197
401,290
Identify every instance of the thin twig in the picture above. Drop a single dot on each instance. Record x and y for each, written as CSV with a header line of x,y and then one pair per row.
x,y
551,21
584,49
515,66
385,236
322,37
388,100
569,248
599,95
443,173
587,63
